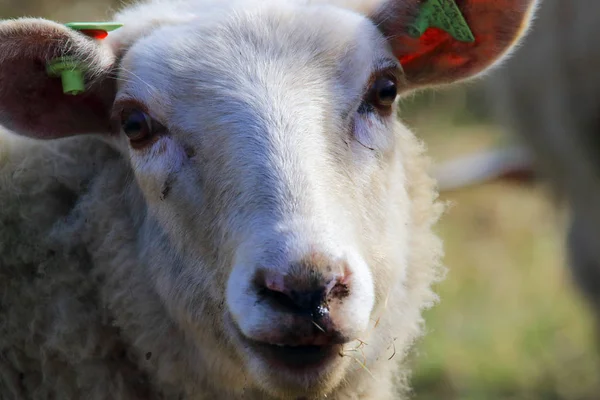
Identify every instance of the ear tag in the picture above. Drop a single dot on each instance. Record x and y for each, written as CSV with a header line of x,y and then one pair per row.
x,y
443,14
68,68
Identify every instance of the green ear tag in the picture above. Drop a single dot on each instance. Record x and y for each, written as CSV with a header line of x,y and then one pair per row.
x,y
443,14
94,26
69,70
70,73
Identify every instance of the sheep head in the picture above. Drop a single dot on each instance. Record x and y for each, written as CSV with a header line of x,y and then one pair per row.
x,y
264,140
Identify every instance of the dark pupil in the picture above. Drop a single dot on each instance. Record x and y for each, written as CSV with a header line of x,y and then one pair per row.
x,y
134,124
387,91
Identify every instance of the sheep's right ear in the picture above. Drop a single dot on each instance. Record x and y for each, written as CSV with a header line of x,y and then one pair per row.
x,y
32,103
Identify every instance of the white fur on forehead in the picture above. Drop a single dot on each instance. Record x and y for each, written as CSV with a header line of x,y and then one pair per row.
x,y
141,18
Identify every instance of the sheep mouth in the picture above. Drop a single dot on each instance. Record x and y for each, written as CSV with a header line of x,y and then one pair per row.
x,y
296,358
298,355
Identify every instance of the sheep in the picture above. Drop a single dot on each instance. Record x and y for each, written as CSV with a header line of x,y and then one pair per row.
x,y
231,208
548,95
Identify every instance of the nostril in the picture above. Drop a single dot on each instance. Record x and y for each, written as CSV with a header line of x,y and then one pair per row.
x,y
311,303
296,294
280,300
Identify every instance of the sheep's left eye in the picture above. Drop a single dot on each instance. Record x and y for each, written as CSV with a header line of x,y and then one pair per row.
x,y
384,92
380,96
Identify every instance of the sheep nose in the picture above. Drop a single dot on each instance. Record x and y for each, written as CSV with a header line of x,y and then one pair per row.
x,y
305,290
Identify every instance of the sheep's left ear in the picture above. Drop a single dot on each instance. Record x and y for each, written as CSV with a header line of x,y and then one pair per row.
x,y
434,56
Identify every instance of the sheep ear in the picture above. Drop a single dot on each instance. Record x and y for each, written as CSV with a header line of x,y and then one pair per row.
x,y
32,102
486,29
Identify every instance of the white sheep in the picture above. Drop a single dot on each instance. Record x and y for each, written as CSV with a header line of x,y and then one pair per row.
x,y
231,209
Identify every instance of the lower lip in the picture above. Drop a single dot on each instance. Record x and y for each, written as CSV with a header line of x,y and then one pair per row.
x,y
297,358
300,359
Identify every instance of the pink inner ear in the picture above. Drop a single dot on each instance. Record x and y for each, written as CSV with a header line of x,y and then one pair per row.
x,y
437,58
33,104
434,44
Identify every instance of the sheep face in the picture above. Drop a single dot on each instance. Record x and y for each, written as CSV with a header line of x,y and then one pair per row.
x,y
273,165
263,138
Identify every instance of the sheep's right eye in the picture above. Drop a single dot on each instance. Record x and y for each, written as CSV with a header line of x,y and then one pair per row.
x,y
139,127
136,124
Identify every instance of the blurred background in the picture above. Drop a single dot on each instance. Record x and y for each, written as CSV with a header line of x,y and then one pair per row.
x,y
511,324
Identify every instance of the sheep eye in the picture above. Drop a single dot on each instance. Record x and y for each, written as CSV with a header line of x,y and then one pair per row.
x,y
136,124
384,92
380,96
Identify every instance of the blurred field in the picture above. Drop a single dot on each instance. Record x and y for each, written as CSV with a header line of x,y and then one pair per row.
x,y
509,325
